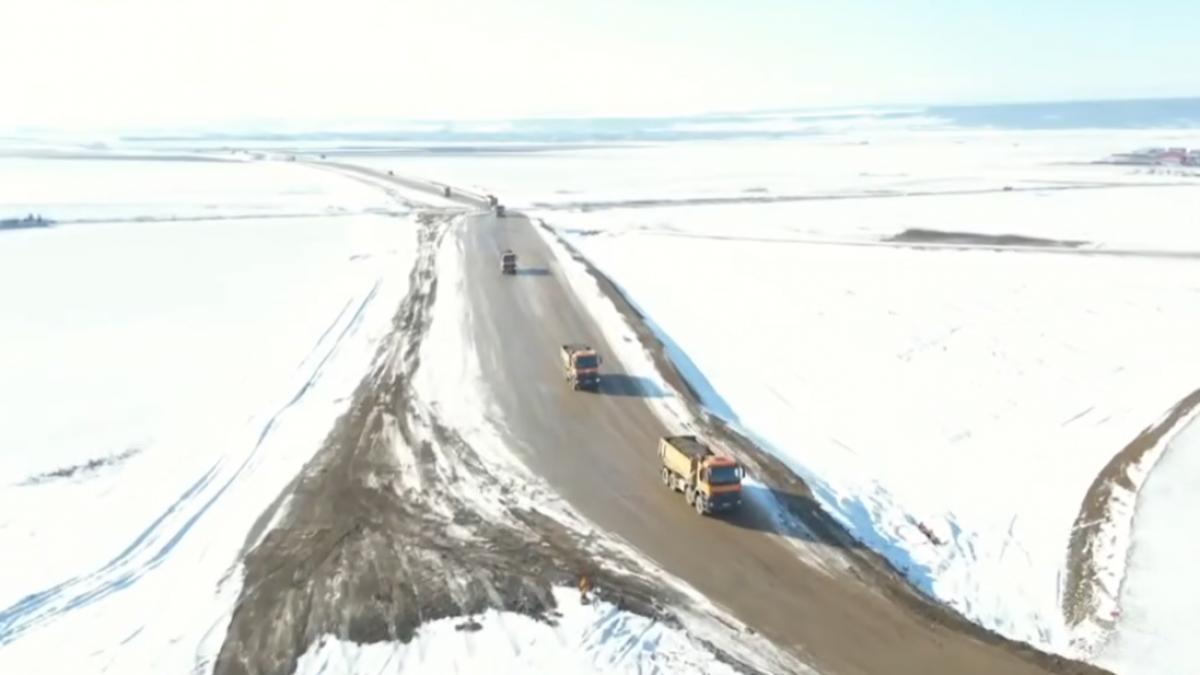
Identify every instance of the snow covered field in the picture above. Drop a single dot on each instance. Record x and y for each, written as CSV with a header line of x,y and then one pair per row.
x,y
1155,632
100,189
162,382
849,162
1098,218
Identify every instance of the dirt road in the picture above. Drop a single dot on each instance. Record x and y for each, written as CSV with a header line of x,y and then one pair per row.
x,y
352,550
598,451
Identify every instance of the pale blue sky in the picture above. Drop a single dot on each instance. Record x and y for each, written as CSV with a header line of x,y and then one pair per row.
x,y
65,62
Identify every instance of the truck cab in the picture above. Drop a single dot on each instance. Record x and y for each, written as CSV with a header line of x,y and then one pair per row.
x,y
581,367
709,482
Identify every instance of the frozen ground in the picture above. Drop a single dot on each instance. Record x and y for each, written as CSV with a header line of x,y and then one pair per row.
x,y
1156,629
163,382
848,162
102,189
581,640
1097,218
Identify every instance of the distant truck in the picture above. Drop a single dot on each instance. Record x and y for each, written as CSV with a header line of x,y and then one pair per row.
x,y
709,482
508,262
495,205
581,367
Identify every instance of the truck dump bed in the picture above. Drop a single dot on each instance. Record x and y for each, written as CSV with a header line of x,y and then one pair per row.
x,y
688,445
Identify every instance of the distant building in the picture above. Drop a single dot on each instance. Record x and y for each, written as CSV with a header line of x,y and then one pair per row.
x,y
1158,157
1173,156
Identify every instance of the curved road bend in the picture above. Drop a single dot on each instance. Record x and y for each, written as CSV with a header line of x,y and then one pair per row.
x,y
598,452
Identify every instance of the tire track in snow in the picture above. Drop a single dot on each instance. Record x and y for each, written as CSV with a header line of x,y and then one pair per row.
x,y
148,551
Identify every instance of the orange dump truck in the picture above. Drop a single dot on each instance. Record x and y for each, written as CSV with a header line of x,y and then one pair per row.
x,y
581,367
710,482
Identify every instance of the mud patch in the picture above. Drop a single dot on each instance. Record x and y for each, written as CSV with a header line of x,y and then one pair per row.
x,y
398,521
1083,585
922,236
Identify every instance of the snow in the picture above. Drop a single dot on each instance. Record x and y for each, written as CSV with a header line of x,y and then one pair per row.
x,y
856,161
430,196
585,639
1158,598
1097,217
101,188
451,383
197,366
943,376
921,387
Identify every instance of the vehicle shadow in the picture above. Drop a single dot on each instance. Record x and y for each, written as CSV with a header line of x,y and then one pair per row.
x,y
785,513
533,272
619,384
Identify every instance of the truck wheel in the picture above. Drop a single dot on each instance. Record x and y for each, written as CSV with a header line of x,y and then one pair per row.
x,y
698,502
666,476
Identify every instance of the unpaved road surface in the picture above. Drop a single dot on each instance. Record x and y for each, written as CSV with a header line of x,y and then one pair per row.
x,y
383,531
598,451
355,549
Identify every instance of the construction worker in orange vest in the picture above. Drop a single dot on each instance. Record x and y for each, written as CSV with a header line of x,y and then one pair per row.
x,y
584,587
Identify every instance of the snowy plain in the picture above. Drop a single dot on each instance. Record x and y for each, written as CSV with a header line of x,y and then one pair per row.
x,y
103,189
862,161
163,382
